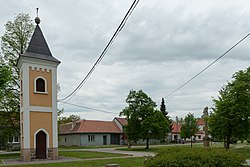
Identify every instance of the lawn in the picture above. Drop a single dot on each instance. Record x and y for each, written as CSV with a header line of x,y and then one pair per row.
x,y
244,150
87,154
77,154
9,156
87,147
123,162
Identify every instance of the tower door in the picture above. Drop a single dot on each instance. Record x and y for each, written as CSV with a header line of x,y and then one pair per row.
x,y
41,145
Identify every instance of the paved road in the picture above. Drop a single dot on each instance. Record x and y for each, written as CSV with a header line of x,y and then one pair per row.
x,y
131,153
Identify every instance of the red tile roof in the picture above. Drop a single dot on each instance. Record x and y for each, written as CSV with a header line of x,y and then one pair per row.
x,y
200,121
90,126
174,128
122,121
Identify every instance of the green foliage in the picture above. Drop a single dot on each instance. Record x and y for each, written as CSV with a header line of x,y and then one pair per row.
x,y
144,120
9,106
16,38
13,43
230,116
198,157
63,120
165,113
5,75
189,127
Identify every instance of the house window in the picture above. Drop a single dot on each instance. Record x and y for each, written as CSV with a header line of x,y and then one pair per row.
x,y
40,85
65,140
14,139
91,138
199,136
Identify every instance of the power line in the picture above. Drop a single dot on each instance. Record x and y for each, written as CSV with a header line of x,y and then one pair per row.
x,y
89,108
208,65
120,27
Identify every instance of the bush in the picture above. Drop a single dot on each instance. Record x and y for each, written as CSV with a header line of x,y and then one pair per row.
x,y
195,157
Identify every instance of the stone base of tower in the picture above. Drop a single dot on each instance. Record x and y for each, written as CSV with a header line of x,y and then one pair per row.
x,y
29,154
53,153
25,154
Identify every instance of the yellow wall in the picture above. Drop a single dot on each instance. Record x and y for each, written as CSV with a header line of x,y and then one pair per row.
x,y
40,120
38,99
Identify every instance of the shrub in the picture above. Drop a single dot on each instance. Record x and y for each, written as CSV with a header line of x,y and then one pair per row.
x,y
195,157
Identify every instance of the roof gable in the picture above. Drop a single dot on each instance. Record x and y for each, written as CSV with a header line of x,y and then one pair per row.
x,y
122,121
38,47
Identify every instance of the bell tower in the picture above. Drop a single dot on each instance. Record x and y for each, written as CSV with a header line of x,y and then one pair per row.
x,y
38,99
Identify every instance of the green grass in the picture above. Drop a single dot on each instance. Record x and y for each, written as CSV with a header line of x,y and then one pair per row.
x,y
87,147
123,162
244,151
87,154
76,154
9,156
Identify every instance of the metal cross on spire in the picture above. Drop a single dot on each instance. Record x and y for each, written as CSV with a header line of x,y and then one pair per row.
x,y
37,19
37,12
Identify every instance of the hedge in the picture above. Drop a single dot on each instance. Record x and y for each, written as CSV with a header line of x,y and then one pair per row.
x,y
195,157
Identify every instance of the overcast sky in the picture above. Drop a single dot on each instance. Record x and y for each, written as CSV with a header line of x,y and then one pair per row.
x,y
163,44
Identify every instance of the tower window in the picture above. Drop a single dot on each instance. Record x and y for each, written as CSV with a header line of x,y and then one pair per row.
x,y
40,85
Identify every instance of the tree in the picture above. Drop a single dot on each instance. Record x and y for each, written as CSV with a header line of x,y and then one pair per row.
x,y
231,112
165,113
144,120
16,38
189,127
63,120
9,107
13,43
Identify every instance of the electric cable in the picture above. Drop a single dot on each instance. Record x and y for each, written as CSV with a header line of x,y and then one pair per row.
x,y
208,66
120,27
89,108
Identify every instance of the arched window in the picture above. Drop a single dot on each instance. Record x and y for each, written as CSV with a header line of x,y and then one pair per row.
x,y
40,85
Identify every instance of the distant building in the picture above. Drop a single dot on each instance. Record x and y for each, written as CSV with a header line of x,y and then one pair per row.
x,y
176,131
91,133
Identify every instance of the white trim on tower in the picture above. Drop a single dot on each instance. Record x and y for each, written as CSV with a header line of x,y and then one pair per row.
x,y
25,108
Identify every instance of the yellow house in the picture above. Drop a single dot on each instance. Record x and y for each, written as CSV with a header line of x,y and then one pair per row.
x,y
38,99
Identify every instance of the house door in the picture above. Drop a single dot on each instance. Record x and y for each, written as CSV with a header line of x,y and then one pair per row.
x,y
105,140
41,145
115,138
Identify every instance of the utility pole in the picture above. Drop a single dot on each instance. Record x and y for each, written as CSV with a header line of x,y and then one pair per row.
x,y
206,138
177,121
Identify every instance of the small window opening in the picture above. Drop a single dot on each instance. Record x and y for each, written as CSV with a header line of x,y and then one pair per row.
x,y
40,85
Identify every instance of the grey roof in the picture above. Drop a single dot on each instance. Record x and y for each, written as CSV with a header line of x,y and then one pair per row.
x,y
38,47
